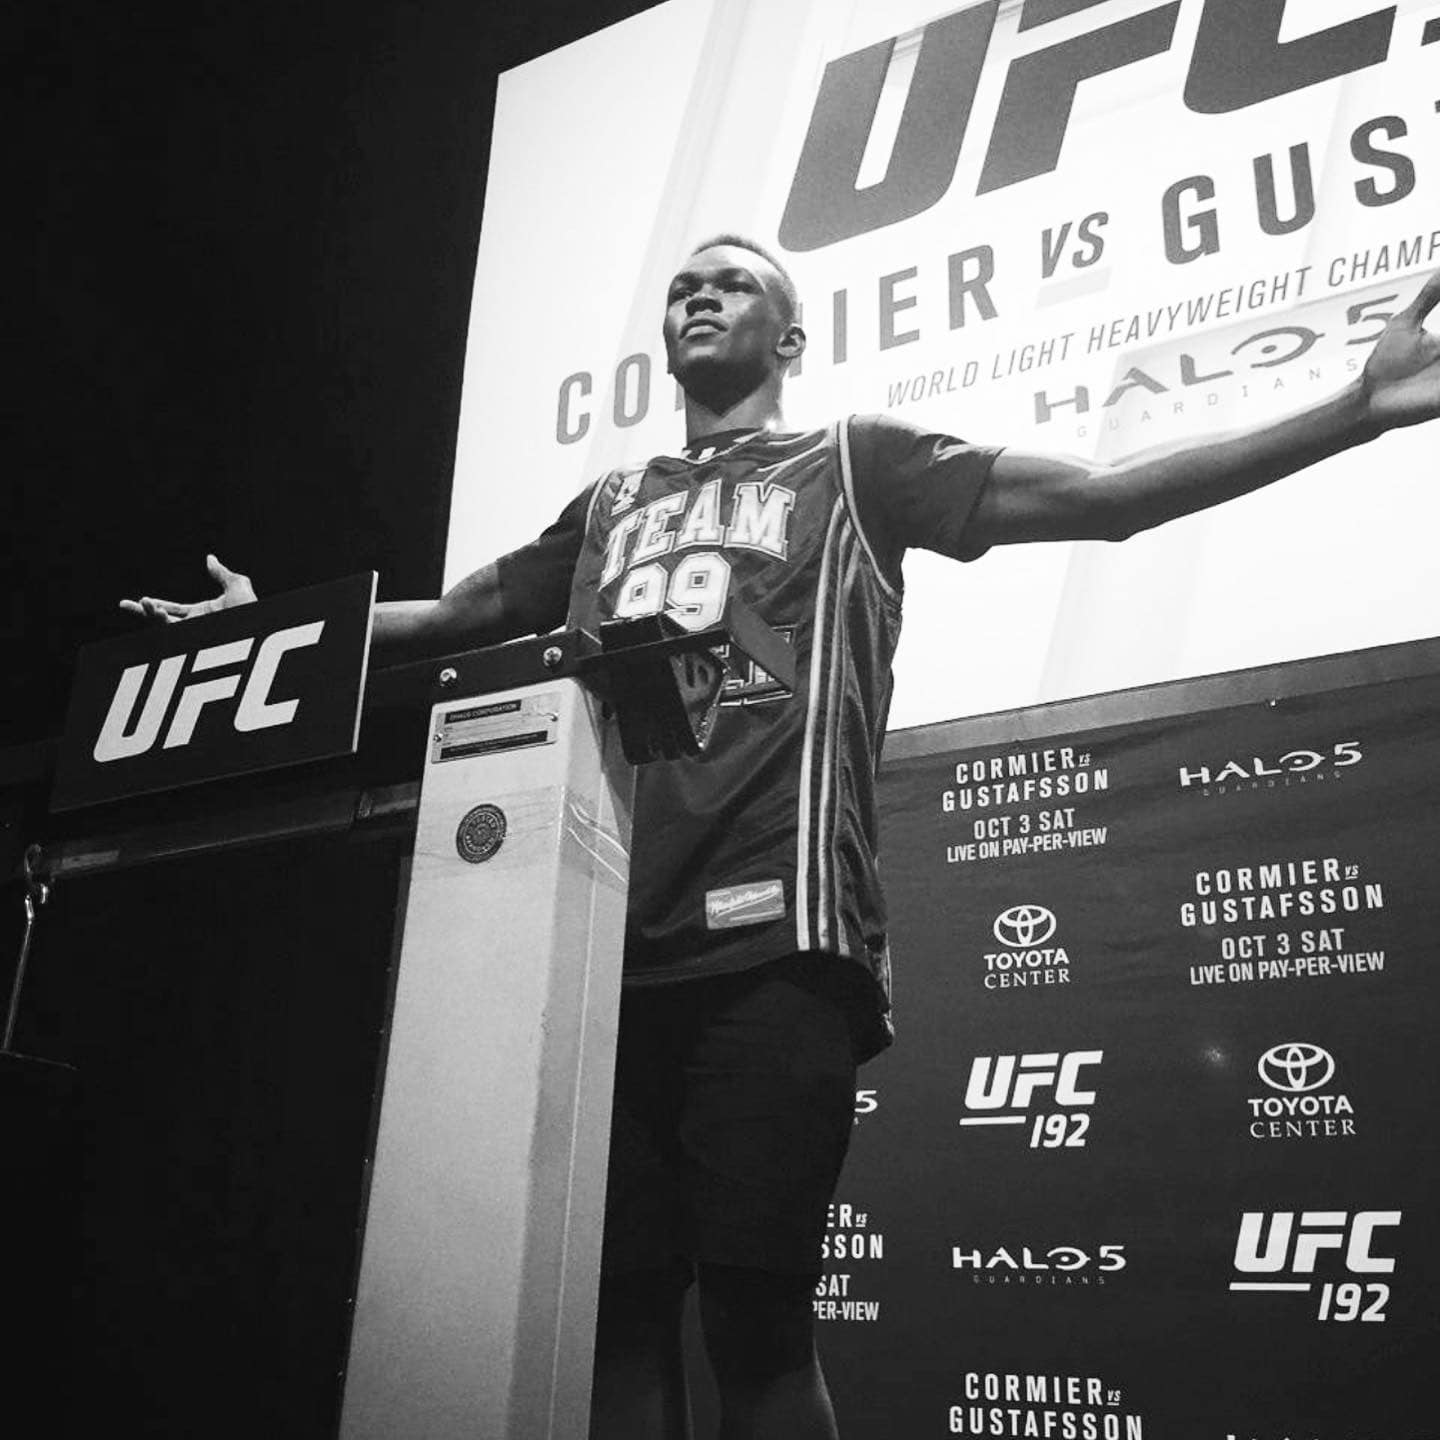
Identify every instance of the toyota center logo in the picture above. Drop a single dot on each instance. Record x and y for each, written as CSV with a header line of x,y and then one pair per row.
x,y
1296,1067
1022,926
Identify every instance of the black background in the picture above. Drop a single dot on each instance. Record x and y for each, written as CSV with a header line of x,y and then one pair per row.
x,y
248,238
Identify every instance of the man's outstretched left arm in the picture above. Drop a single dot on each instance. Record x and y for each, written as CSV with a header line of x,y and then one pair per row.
x,y
1049,497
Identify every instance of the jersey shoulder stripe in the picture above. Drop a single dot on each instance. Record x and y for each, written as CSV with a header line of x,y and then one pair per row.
x,y
847,482
805,827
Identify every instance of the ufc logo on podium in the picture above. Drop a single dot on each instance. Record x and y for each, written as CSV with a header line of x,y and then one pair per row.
x,y
251,688
1012,1083
1276,1245
255,711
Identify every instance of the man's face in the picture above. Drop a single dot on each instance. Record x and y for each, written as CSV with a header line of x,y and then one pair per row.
x,y
726,324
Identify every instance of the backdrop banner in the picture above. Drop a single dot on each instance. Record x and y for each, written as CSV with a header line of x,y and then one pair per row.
x,y
1154,1154
1062,225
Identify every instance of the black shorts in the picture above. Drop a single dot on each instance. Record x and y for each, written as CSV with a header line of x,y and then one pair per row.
x,y
734,1103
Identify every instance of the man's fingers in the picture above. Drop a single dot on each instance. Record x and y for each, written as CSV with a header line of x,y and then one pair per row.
x,y
236,587
222,575
1421,306
166,610
151,609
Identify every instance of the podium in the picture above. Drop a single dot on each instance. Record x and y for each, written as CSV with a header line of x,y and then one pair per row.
x,y
478,1278
481,1197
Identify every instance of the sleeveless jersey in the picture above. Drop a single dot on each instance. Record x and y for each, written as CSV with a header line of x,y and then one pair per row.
x,y
765,843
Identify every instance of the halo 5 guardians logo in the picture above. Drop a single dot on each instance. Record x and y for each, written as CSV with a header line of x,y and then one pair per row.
x,y
1028,958
1002,1089
1300,766
1286,1252
1300,1105
1036,1265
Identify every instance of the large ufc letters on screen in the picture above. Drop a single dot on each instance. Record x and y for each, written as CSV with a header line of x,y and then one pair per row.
x,y
826,205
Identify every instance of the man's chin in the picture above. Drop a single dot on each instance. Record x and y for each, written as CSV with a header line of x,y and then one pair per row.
x,y
713,383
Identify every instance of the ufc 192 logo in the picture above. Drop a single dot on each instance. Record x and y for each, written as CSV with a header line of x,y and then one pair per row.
x,y
123,735
1016,1083
1287,1247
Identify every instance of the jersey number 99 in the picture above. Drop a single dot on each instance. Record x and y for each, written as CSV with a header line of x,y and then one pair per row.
x,y
694,592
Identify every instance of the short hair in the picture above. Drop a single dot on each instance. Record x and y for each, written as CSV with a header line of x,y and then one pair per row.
x,y
744,242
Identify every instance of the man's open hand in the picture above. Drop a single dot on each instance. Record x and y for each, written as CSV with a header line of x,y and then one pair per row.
x,y
235,589
1402,376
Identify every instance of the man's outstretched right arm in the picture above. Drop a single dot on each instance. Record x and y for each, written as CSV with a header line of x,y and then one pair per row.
x,y
526,592
470,614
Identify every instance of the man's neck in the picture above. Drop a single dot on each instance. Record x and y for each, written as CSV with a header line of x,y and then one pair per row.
x,y
759,410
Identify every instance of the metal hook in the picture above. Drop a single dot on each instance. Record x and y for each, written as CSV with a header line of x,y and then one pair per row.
x,y
37,892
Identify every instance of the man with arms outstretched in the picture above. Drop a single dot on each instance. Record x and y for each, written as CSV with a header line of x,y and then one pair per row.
x,y
756,969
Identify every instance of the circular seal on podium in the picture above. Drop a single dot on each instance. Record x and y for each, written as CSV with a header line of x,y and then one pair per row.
x,y
480,834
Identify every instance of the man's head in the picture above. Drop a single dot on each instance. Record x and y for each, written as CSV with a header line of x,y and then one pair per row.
x,y
730,321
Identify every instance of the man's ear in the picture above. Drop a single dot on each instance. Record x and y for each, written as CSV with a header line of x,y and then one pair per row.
x,y
791,344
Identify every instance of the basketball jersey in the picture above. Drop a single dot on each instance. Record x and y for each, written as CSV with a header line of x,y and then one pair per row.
x,y
765,843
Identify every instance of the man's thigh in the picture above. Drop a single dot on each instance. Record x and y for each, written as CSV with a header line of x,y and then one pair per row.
x,y
733,1112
